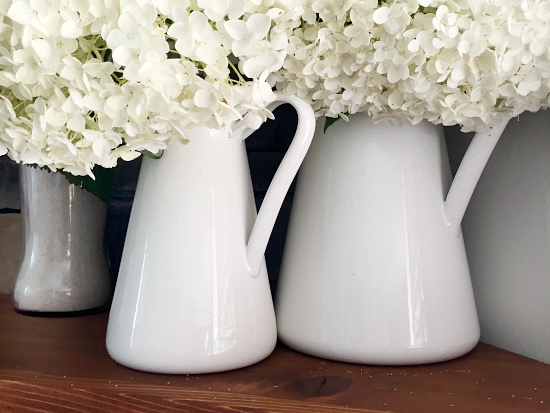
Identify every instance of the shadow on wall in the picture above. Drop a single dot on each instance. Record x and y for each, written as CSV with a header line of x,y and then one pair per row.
x,y
457,144
9,185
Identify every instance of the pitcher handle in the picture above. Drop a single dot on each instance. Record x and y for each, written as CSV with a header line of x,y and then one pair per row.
x,y
282,180
469,172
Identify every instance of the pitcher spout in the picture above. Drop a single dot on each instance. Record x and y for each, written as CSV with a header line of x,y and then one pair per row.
x,y
469,172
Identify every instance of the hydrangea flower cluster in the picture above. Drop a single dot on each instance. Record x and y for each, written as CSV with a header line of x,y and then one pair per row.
x,y
468,62
86,82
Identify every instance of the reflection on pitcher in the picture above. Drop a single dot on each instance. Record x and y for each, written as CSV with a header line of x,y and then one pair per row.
x,y
374,268
193,294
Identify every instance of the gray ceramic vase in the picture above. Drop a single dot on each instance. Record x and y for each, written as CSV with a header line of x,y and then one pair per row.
x,y
63,266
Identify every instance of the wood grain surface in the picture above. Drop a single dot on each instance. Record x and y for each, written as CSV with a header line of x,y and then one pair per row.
x,y
61,365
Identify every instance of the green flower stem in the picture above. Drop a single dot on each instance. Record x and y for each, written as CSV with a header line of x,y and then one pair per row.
x,y
241,79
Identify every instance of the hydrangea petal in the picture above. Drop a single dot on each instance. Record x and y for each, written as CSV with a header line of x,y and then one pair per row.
x,y
21,12
258,25
380,16
237,29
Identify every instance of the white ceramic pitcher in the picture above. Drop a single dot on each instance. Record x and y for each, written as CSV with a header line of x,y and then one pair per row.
x,y
374,268
192,294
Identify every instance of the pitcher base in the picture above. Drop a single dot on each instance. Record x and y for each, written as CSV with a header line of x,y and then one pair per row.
x,y
192,364
385,357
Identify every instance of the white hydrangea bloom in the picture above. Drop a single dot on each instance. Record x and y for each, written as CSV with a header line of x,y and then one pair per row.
x,y
471,63
88,82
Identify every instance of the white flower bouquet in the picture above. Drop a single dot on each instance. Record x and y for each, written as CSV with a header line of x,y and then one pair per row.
x,y
86,82
468,62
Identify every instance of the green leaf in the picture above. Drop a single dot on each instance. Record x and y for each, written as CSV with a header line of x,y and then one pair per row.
x,y
100,187
152,155
329,122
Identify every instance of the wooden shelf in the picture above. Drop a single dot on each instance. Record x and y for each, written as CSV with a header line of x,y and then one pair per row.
x,y
61,365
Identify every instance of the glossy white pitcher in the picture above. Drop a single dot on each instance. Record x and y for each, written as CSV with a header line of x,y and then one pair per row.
x,y
192,294
374,268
